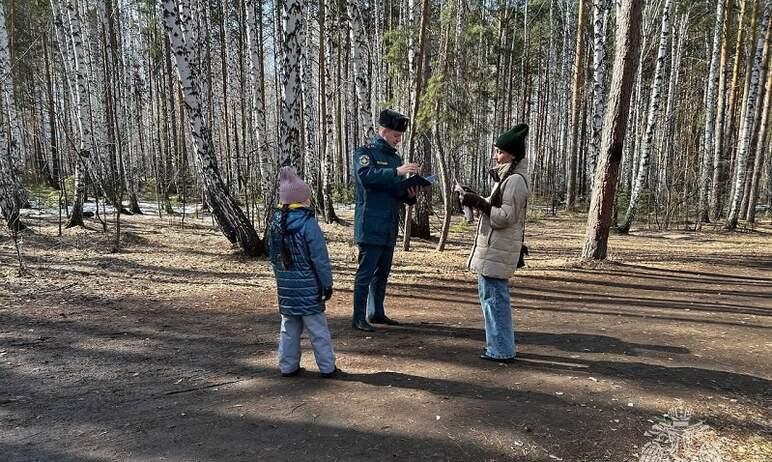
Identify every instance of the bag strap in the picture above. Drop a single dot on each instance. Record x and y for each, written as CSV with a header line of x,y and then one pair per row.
x,y
525,219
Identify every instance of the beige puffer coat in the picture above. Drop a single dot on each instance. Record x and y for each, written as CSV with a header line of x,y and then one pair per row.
x,y
499,237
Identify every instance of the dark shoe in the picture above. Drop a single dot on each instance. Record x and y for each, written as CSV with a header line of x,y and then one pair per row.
x,y
330,375
293,373
362,325
383,320
498,360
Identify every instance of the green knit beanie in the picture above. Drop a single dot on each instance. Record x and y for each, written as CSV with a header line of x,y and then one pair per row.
x,y
513,141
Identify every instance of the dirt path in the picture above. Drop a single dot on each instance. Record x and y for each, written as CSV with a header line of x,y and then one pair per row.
x,y
167,352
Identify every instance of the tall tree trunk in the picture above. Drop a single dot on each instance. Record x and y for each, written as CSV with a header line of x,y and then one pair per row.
x,y
651,121
54,171
289,124
599,218
718,138
233,223
360,62
8,189
706,173
599,70
255,18
311,159
743,101
666,170
720,174
763,141
13,137
83,124
326,106
762,44
420,76
576,95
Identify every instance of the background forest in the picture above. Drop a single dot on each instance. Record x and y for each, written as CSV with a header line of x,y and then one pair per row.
x,y
199,102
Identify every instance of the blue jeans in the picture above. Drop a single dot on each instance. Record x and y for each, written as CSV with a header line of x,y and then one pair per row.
x,y
497,313
370,280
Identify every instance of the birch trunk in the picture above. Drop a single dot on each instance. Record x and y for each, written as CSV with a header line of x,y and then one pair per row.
x,y
762,142
651,121
713,207
311,160
743,101
719,175
14,168
326,105
233,223
259,131
360,61
9,206
289,124
420,76
576,96
83,123
599,66
706,173
746,133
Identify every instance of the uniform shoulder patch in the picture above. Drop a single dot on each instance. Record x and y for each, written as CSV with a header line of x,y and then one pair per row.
x,y
364,160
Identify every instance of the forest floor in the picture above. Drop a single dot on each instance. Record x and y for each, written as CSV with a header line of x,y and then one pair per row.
x,y
167,351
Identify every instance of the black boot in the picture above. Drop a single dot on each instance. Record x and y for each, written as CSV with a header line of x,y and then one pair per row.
x,y
361,324
383,320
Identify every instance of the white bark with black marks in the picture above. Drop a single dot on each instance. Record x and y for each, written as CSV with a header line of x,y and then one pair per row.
x,y
82,110
708,148
10,145
746,131
600,13
361,74
651,121
232,220
290,117
265,162
763,140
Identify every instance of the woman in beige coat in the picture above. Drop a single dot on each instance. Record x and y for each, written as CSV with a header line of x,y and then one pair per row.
x,y
499,241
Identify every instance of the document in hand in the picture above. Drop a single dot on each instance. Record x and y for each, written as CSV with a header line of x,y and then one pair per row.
x,y
413,181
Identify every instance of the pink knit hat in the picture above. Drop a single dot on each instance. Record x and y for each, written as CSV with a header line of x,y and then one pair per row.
x,y
292,189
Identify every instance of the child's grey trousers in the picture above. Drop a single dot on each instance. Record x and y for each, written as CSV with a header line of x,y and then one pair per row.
x,y
318,333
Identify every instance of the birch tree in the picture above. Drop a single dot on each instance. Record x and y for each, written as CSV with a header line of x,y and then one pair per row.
x,y
651,121
721,97
599,218
83,123
290,117
9,206
746,132
706,174
576,95
10,148
359,61
419,87
729,135
763,140
259,125
231,219
326,107
600,13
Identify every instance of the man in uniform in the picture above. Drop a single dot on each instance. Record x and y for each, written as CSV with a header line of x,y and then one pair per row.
x,y
378,169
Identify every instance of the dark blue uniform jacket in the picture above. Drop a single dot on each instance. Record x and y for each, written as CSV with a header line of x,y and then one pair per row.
x,y
376,216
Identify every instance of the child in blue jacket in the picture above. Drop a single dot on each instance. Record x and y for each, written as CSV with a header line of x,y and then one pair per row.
x,y
301,266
